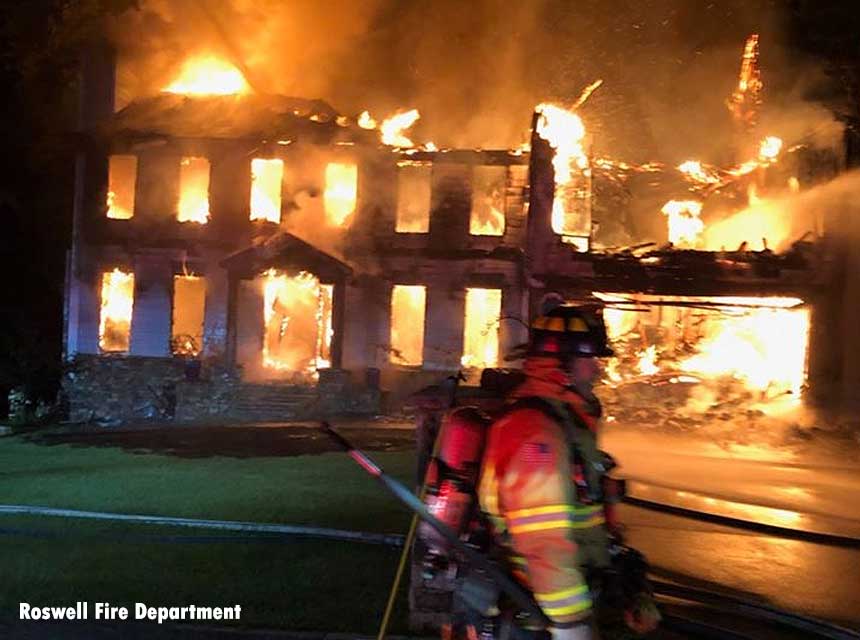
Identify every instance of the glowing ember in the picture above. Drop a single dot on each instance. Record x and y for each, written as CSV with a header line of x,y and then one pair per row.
x,y
565,133
117,304
208,76
481,330
392,129
685,227
694,170
366,121
122,175
407,324
297,316
341,191
488,201
770,148
267,174
189,301
414,192
193,191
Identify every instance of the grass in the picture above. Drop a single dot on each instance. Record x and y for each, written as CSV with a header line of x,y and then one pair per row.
x,y
288,584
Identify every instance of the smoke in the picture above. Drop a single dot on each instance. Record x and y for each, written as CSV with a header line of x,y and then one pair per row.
x,y
476,70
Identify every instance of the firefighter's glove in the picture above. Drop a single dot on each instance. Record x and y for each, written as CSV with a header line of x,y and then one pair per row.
x,y
578,632
643,617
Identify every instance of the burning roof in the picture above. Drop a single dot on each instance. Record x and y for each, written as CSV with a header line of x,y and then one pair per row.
x,y
234,116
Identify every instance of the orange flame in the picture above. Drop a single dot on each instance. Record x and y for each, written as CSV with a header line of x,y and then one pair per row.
x,y
267,174
565,132
408,305
366,121
694,170
122,175
117,305
297,316
685,226
481,330
341,192
193,190
208,76
393,128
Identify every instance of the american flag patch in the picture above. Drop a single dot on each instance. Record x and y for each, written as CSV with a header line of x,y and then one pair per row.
x,y
537,453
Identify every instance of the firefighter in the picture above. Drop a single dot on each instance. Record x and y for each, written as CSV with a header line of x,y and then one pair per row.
x,y
541,486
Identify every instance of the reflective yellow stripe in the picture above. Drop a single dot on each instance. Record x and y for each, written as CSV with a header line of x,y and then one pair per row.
x,y
563,611
542,526
561,595
538,511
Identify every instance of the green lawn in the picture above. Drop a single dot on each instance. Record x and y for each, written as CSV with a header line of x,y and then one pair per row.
x,y
290,584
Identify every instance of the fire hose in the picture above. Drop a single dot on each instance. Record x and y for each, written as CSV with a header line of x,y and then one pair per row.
x,y
478,561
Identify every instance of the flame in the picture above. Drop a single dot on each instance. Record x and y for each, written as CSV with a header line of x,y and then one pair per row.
x,y
267,174
769,149
189,301
487,217
685,226
366,121
117,304
341,192
761,342
414,193
647,364
746,98
298,329
392,129
694,170
408,305
208,76
481,330
565,132
122,175
193,190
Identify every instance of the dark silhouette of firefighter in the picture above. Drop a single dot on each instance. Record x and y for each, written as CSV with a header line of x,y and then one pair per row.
x,y
545,498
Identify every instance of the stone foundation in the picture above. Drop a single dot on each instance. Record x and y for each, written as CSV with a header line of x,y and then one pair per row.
x,y
114,389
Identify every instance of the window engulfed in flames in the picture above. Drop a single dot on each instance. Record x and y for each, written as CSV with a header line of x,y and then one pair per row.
x,y
759,342
341,192
413,197
407,324
481,330
117,304
122,175
488,201
193,191
267,175
189,302
298,322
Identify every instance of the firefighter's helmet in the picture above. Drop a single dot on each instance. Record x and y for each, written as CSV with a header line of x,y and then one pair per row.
x,y
565,331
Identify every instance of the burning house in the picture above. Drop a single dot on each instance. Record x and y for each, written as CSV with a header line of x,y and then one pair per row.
x,y
265,257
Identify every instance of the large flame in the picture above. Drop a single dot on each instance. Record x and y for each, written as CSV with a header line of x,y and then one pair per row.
x,y
193,190
761,342
770,148
685,226
481,330
208,75
695,171
393,128
408,303
487,217
122,175
298,328
267,174
366,121
414,193
117,304
341,192
565,133
746,98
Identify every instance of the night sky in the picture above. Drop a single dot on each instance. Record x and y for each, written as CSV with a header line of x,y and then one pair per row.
x,y
668,67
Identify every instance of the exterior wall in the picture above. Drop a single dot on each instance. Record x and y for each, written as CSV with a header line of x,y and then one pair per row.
x,y
151,314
